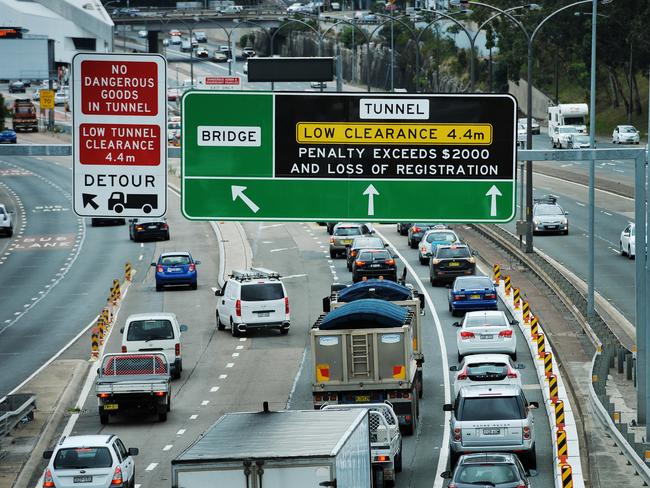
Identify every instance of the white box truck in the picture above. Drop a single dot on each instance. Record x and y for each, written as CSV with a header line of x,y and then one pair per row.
x,y
292,448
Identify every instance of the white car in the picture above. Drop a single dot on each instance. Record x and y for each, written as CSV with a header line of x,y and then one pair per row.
x,y
100,461
159,332
561,135
434,237
175,40
627,244
142,33
625,134
534,124
202,52
253,299
522,136
486,369
6,221
294,7
60,98
219,57
245,70
486,332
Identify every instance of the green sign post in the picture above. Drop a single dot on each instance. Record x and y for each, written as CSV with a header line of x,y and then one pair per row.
x,y
337,156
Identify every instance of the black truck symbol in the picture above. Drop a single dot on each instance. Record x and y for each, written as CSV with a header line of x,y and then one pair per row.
x,y
119,201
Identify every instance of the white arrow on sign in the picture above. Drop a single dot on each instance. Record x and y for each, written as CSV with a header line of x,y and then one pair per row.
x,y
494,193
371,191
238,191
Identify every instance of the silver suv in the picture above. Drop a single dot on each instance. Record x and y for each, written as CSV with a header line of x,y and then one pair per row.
x,y
492,418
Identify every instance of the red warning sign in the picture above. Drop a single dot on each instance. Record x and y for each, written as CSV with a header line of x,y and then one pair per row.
x,y
119,88
119,144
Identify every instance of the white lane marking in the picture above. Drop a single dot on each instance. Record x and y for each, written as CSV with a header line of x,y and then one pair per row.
x,y
619,170
151,467
583,186
607,213
242,339
214,389
230,365
223,376
142,244
292,276
204,403
167,447
194,417
270,226
580,204
531,387
295,378
444,453
279,249
239,347
615,251
180,432
140,257
235,354
267,242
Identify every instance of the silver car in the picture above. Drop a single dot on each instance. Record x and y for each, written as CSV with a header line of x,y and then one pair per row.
x,y
548,216
343,236
625,134
486,369
492,418
6,221
487,331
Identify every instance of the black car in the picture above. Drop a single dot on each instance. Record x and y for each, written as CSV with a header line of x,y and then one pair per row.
x,y
498,470
330,227
374,263
17,87
450,261
148,229
97,221
417,230
403,228
362,243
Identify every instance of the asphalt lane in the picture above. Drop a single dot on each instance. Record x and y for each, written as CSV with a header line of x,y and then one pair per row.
x,y
56,272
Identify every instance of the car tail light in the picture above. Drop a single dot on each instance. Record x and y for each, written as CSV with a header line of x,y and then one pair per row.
x,y
359,263
138,227
490,296
526,433
103,395
177,349
390,262
286,305
462,375
453,485
238,308
353,253
331,240
458,298
159,269
192,267
518,486
160,393
505,333
117,477
467,335
458,434
164,227
512,374
124,349
47,479
382,459
416,229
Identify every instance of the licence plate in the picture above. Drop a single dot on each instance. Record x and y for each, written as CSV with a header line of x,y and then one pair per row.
x,y
491,431
110,406
375,265
454,264
487,336
151,227
82,479
173,270
551,226
346,242
263,314
475,297
362,398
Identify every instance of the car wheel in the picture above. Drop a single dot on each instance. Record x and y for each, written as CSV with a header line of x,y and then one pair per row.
x,y
460,358
284,331
166,236
10,232
233,329
620,249
530,459
398,460
453,459
194,286
159,287
629,253
349,266
449,307
162,416
220,326
422,260
566,232
514,356
433,282
176,375
332,254
103,418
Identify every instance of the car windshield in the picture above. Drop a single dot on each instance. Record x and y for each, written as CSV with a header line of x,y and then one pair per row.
x,y
490,408
547,210
487,369
441,237
374,256
567,130
450,253
628,130
2,211
175,260
487,474
479,282
24,110
370,242
83,458
259,292
347,231
484,320
582,139
149,330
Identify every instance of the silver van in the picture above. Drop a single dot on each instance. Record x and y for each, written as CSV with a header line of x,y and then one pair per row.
x,y
492,418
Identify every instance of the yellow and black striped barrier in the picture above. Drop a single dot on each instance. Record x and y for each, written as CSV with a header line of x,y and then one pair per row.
x,y
567,476
101,325
559,414
525,310
540,346
496,273
552,388
516,298
116,289
94,344
534,327
506,282
128,270
562,447
548,364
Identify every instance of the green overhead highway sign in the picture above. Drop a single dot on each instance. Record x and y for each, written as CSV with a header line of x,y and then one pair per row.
x,y
340,156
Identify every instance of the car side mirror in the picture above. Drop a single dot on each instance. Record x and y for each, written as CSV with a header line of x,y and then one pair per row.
x,y
531,473
122,330
446,475
514,322
533,405
47,454
134,451
474,253
521,366
453,368
218,293
447,407
566,213
456,324
197,262
183,328
153,264
131,221
98,370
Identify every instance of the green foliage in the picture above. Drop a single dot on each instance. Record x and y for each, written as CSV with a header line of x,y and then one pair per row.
x,y
348,34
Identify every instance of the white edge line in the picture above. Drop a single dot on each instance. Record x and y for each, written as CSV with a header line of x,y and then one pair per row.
x,y
295,379
444,447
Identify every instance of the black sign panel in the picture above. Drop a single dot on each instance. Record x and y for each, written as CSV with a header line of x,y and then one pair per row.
x,y
406,136
290,69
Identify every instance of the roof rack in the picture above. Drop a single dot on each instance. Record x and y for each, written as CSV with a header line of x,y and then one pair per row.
x,y
550,199
254,274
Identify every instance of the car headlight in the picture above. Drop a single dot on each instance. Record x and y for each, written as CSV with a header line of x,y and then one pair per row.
x,y
435,261
536,221
564,221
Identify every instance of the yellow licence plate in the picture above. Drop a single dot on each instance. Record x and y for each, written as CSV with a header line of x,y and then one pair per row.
x,y
347,241
453,263
362,398
110,406
475,297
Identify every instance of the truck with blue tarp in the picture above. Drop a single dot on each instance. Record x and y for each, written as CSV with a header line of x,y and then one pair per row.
x,y
363,353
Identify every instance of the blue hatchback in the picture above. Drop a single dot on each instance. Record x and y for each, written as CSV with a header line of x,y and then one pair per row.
x,y
8,136
176,268
472,293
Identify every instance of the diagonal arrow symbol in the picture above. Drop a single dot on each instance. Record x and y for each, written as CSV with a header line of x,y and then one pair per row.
x,y
89,199
371,191
238,192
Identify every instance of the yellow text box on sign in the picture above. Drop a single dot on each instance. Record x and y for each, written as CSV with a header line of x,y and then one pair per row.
x,y
393,133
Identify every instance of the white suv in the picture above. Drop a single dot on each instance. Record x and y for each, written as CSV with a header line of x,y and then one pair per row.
x,y
92,461
253,299
6,222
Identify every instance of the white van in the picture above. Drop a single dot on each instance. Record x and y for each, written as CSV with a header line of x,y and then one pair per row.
x,y
253,299
155,332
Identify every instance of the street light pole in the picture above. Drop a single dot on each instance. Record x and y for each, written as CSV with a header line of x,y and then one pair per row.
x,y
392,53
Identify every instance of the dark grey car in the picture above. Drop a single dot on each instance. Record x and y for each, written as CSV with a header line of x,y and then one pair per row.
x,y
494,470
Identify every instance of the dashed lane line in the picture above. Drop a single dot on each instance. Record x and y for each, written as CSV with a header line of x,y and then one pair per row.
x,y
151,467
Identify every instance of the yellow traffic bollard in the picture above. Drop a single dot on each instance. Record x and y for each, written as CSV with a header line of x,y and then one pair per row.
x,y
525,309
559,414
552,388
540,346
127,271
534,328
567,476
496,272
548,364
507,285
94,344
562,448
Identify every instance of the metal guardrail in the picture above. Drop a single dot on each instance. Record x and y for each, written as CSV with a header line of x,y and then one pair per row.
x,y
13,409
